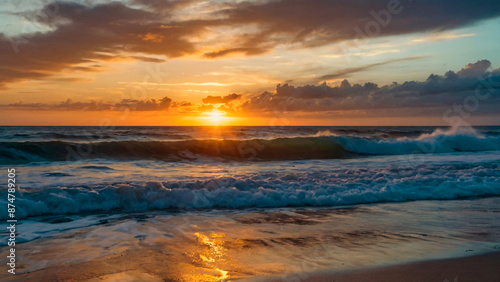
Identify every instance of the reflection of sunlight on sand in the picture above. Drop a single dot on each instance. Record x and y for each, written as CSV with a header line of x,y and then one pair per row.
x,y
127,276
219,246
213,257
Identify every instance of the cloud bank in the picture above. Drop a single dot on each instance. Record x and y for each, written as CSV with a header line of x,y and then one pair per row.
x,y
163,104
438,91
221,100
452,90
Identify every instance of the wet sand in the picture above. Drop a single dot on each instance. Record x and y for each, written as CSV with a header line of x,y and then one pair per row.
x,y
286,244
482,268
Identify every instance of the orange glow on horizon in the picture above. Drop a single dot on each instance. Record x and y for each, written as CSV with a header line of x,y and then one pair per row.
x,y
117,118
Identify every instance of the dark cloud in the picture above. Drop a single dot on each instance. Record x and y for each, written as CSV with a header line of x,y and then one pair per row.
x,y
319,22
437,91
476,69
246,51
81,34
221,100
182,104
146,105
69,105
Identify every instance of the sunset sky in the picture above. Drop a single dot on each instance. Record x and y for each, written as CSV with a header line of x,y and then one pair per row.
x,y
261,62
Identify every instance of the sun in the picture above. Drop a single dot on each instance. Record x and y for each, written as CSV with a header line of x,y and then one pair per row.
x,y
215,117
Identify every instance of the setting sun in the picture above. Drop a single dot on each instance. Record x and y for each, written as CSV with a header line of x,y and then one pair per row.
x,y
215,117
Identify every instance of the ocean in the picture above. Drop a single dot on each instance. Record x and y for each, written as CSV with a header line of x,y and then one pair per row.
x,y
219,203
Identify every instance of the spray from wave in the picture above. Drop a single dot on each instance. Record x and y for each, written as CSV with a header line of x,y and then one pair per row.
x,y
455,139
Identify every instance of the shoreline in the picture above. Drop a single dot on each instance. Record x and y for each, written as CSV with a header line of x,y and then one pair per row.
x,y
483,267
382,242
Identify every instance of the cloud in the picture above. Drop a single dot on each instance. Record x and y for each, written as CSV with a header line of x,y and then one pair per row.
x,y
166,5
69,105
146,105
182,104
438,91
442,36
69,79
206,108
186,83
81,34
76,34
319,22
476,69
411,98
348,71
221,100
245,50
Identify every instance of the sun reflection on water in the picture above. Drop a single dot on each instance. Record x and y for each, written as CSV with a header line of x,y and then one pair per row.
x,y
211,255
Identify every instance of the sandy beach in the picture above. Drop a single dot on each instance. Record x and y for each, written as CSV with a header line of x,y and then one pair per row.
x,y
474,268
359,243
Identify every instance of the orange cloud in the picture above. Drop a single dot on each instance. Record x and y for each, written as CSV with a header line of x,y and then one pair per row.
x,y
153,37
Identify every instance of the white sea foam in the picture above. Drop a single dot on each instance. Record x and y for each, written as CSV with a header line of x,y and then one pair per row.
x,y
338,186
325,133
440,141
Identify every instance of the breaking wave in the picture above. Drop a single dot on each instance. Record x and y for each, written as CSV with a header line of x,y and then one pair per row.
x,y
461,139
270,190
323,145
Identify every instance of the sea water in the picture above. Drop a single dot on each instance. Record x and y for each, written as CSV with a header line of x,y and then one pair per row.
x,y
235,202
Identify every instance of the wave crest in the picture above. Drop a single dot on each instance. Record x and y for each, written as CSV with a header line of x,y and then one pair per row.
x,y
436,181
325,145
455,139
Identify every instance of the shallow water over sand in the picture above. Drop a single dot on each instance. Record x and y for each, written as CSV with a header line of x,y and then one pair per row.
x,y
225,245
